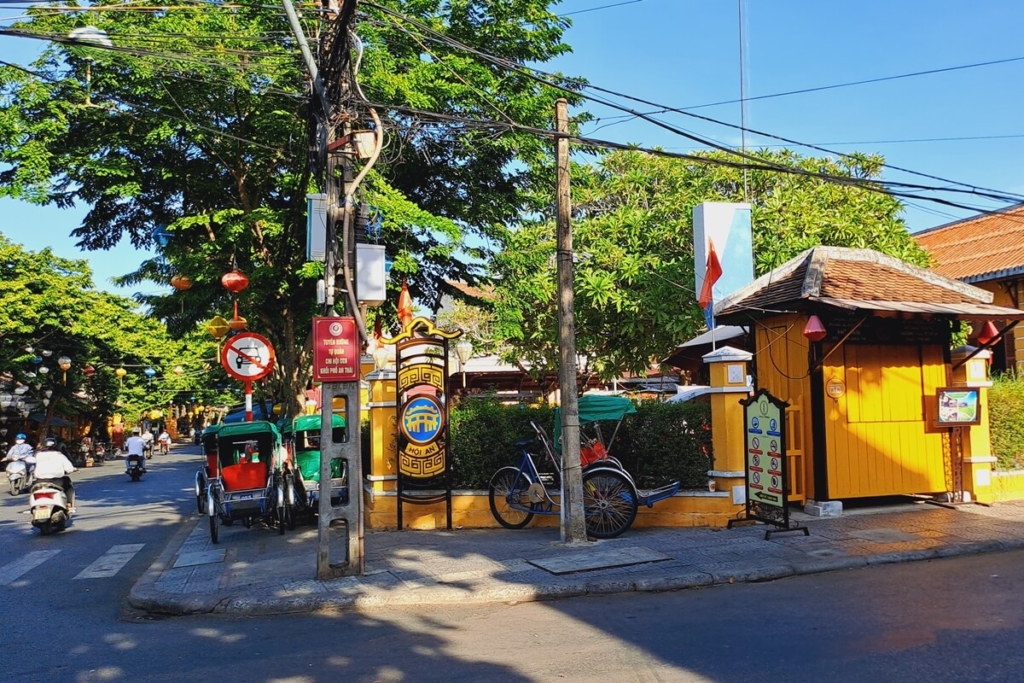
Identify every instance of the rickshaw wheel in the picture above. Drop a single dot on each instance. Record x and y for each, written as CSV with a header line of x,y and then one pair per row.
x,y
248,522
501,489
214,530
609,502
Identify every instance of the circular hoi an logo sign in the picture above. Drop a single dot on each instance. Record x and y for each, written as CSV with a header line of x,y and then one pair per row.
x,y
422,423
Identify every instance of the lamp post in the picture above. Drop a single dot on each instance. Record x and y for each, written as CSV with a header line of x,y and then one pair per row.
x,y
463,349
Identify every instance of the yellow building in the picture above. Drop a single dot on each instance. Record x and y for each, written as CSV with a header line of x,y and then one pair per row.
x,y
858,344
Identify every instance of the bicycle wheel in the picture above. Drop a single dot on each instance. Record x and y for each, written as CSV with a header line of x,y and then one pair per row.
x,y
507,488
609,502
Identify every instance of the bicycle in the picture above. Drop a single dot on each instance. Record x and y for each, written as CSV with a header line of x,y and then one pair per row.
x,y
516,494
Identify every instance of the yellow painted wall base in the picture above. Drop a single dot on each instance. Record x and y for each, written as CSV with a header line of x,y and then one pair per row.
x,y
470,510
1007,486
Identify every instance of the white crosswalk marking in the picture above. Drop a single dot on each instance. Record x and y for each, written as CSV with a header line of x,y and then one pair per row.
x,y
110,562
12,571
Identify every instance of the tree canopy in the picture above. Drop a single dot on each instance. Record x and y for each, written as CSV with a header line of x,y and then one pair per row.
x,y
633,238
189,135
48,304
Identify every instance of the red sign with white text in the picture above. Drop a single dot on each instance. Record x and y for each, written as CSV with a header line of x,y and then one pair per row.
x,y
335,350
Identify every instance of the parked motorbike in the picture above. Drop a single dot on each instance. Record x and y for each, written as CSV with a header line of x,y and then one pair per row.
x,y
48,507
19,476
99,453
134,468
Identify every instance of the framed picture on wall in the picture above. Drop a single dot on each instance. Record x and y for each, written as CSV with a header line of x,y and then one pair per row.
x,y
958,406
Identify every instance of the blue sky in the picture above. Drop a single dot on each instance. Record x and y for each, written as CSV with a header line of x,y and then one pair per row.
x,y
684,53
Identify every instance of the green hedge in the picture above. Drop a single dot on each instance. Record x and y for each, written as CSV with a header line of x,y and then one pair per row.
x,y
1006,420
662,442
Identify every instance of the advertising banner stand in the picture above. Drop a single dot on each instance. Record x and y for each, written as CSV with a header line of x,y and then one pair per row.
x,y
767,481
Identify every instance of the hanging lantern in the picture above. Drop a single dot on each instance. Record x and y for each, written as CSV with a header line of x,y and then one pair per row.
x,y
120,372
988,333
64,363
179,370
89,370
235,281
814,330
217,327
181,282
237,322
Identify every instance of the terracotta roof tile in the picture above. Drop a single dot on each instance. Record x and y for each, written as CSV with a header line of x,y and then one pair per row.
x,y
877,282
857,278
980,248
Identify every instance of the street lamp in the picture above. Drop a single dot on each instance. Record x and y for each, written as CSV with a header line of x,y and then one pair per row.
x,y
464,349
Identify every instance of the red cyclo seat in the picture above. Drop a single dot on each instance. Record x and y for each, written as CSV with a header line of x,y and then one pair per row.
x,y
593,453
248,475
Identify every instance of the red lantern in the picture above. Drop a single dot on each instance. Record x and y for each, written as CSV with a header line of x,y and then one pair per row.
x,y
235,281
89,370
181,282
814,330
987,334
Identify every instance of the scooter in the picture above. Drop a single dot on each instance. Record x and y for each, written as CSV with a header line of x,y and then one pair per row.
x,y
48,506
18,476
134,468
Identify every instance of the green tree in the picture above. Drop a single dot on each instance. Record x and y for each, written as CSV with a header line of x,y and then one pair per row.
x,y
191,136
48,304
633,238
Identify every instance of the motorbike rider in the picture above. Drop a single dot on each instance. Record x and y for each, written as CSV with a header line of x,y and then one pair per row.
x,y
135,446
165,442
21,450
147,436
54,466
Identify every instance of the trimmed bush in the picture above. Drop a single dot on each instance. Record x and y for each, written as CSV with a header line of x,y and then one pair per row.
x,y
662,442
1006,421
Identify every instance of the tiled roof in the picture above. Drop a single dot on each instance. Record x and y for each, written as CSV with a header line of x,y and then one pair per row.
x,y
977,249
856,278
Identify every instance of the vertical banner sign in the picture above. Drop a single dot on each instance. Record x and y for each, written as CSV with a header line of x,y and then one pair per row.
x,y
764,420
424,474
335,350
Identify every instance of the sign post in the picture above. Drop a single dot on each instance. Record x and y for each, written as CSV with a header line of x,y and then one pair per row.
x,y
767,482
336,352
248,357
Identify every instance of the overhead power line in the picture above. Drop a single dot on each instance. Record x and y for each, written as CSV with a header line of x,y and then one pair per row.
x,y
545,79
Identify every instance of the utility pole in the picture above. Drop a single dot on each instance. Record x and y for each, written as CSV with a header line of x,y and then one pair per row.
x,y
574,526
332,159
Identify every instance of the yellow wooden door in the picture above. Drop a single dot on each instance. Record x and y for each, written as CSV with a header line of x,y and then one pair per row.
x,y
878,438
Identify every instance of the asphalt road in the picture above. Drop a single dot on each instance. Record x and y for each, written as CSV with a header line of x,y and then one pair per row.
x,y
956,619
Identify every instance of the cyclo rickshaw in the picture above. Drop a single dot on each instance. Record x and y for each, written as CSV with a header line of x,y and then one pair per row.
x,y
254,481
211,469
302,440
610,495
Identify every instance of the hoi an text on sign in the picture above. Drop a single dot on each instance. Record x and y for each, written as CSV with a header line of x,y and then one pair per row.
x,y
335,350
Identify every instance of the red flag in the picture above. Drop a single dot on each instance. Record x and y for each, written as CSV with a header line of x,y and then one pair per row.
x,y
712,272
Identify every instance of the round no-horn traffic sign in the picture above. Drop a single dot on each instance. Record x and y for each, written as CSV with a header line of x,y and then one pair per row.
x,y
247,356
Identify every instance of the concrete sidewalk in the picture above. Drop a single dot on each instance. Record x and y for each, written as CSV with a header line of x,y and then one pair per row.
x,y
256,571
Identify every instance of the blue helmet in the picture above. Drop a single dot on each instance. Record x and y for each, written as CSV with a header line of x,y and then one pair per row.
x,y
21,436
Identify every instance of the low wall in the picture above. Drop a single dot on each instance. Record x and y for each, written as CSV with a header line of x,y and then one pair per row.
x,y
1007,485
471,510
